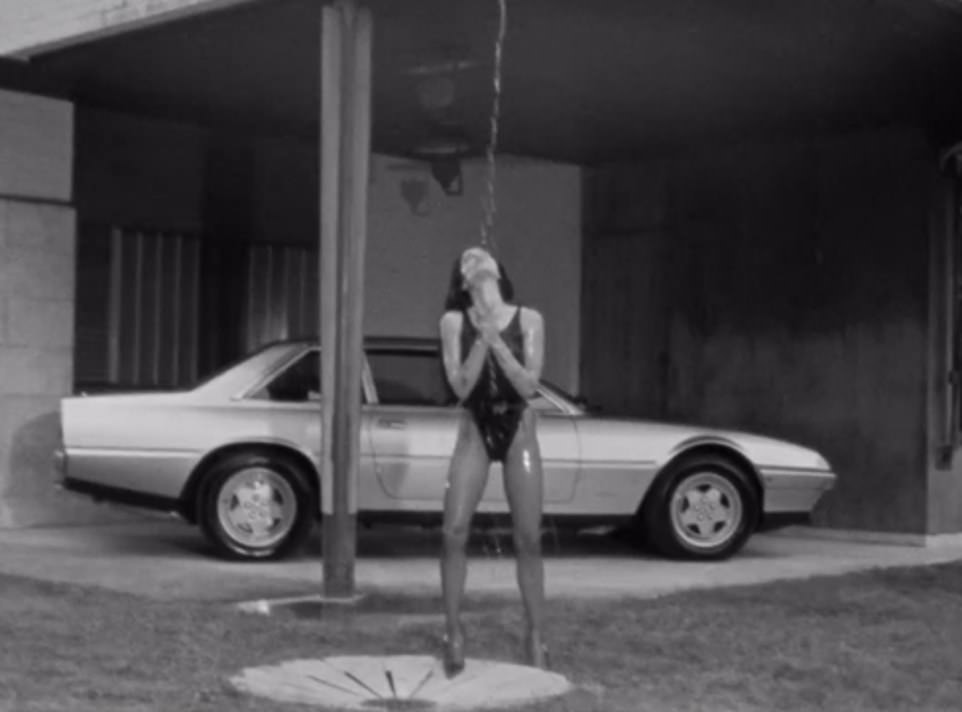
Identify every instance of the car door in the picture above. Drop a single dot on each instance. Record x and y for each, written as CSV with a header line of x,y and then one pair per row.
x,y
414,427
414,424
288,406
560,447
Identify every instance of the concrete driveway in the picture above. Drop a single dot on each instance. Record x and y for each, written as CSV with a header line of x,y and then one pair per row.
x,y
167,559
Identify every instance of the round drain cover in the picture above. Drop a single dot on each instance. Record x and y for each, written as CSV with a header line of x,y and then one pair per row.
x,y
400,683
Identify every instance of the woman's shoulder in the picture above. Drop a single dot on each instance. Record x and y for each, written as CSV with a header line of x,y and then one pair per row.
x,y
530,317
452,319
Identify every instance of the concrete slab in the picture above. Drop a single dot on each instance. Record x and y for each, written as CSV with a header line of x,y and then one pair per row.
x,y
59,508
167,559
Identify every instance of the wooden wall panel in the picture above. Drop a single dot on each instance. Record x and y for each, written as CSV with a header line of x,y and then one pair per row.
x,y
786,287
137,293
625,321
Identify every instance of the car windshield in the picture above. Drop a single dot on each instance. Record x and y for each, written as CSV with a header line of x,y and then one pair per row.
x,y
220,371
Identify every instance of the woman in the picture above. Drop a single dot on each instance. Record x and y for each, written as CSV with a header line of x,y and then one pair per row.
x,y
493,356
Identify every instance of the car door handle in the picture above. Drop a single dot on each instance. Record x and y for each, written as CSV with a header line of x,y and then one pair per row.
x,y
391,424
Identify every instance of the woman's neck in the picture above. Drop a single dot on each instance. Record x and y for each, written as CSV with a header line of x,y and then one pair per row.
x,y
486,297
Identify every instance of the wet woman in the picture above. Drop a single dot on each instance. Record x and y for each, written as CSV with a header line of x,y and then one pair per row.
x,y
493,356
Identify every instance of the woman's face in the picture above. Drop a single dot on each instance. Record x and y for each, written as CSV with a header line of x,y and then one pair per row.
x,y
477,264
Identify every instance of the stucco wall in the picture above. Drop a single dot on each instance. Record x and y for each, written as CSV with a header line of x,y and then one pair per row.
x,y
796,278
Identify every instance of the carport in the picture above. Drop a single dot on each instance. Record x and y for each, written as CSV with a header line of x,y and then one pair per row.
x,y
587,83
767,222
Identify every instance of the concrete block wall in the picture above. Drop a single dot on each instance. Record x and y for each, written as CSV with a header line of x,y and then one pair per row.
x,y
37,244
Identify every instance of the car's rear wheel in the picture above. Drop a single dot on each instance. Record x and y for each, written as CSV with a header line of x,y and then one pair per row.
x,y
703,507
255,506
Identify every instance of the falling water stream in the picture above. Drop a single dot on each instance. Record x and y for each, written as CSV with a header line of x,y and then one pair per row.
x,y
488,202
491,540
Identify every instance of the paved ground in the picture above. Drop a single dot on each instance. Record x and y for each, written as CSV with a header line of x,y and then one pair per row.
x,y
166,559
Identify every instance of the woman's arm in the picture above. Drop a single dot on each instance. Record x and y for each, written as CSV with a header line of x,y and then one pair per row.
x,y
461,376
525,378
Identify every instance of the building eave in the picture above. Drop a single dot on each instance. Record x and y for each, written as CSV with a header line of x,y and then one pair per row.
x,y
33,27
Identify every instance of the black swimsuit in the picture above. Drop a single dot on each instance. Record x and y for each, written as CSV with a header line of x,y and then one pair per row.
x,y
495,404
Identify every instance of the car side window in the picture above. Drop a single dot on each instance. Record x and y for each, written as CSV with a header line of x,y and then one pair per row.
x,y
299,382
410,378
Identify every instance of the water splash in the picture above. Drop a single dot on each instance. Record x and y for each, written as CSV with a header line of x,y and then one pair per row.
x,y
550,534
491,543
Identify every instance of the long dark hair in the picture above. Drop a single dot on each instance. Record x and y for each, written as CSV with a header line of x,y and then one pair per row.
x,y
459,299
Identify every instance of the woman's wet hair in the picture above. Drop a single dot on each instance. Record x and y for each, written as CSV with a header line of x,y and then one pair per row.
x,y
459,299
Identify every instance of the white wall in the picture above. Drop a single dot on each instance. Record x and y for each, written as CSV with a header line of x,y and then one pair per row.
x,y
537,233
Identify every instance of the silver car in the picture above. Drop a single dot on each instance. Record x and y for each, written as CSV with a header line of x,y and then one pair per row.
x,y
239,456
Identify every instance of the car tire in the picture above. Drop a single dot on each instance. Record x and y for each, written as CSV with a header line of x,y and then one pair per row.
x,y
255,506
703,507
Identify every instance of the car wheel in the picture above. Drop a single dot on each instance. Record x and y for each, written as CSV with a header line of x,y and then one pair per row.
x,y
255,506
704,507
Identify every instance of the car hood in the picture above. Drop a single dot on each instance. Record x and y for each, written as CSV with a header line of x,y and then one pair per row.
x,y
658,442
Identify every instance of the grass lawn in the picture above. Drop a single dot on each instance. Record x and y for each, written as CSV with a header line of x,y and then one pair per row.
x,y
877,641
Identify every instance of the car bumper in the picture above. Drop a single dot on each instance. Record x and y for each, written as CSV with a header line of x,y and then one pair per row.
x,y
118,495
60,465
789,490
155,473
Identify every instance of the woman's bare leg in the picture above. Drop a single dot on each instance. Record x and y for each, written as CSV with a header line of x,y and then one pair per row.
x,y
524,486
467,478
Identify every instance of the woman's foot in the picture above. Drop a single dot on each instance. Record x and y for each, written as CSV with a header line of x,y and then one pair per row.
x,y
454,652
536,651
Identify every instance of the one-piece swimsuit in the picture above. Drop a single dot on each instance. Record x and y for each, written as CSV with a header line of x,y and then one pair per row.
x,y
494,402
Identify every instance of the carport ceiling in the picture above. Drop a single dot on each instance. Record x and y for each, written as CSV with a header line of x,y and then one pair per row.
x,y
584,80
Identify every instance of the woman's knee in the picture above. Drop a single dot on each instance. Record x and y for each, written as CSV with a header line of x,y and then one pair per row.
x,y
456,535
527,541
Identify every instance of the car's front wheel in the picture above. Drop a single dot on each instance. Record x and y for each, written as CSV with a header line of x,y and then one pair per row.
x,y
255,506
704,507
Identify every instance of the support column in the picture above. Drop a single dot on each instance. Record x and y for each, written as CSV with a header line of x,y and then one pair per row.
x,y
345,126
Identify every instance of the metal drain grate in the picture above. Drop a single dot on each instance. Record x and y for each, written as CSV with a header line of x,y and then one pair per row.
x,y
399,705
